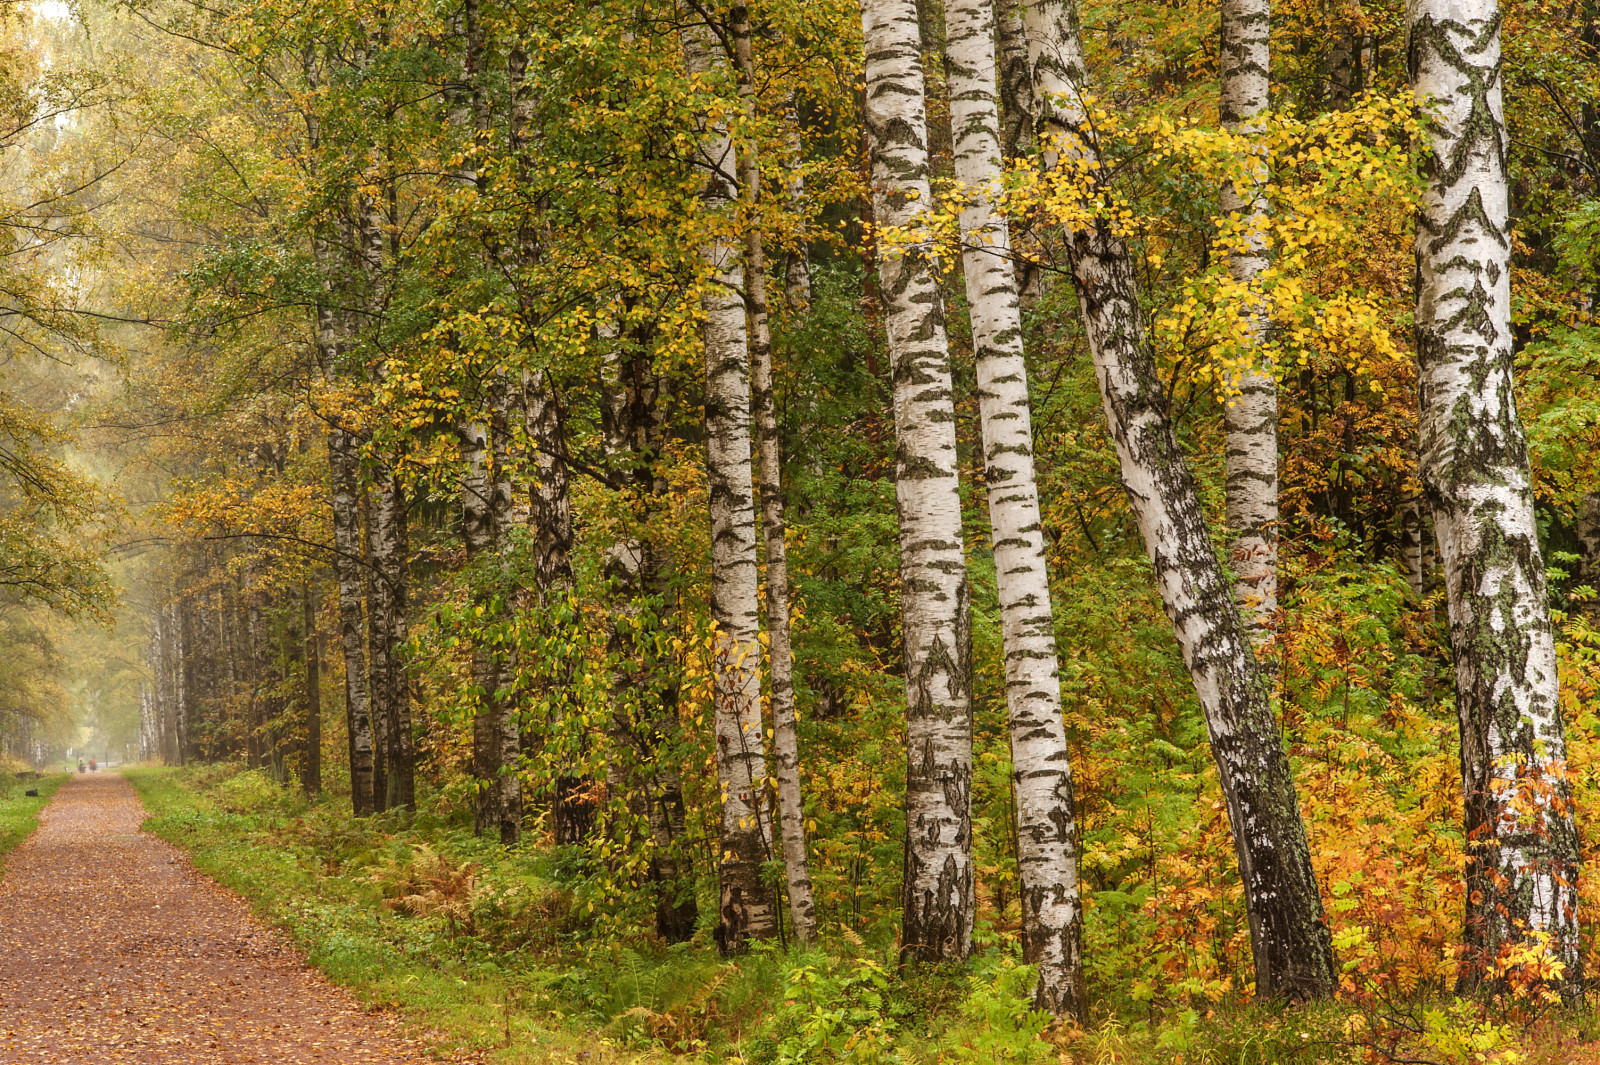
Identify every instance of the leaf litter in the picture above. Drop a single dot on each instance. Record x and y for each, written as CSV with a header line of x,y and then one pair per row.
x,y
113,948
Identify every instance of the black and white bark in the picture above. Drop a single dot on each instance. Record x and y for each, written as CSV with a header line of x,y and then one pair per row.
x,y
1047,846
1413,551
938,892
1589,549
785,732
386,543
1522,856
344,460
1251,388
1289,939
797,263
746,906
495,739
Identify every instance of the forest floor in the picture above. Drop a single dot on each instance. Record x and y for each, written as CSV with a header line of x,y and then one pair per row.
x,y
484,951
113,948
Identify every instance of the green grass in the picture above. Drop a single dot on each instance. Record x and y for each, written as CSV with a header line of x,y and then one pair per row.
x,y
19,813
483,948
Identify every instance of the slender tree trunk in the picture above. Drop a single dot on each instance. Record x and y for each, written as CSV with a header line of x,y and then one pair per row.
x,y
1290,941
938,892
1589,549
378,644
348,560
1251,416
797,263
311,767
1522,858
644,695
1047,857
387,540
253,658
785,734
404,773
495,738
1411,549
550,519
172,723
1018,115
746,907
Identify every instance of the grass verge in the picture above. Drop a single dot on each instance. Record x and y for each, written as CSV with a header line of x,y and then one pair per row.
x,y
487,952
19,812
304,868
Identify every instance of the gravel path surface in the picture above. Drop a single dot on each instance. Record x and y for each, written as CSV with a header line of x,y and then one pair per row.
x,y
113,949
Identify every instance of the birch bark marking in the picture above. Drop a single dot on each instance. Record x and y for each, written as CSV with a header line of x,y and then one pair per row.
x,y
746,907
1522,867
1047,859
498,807
1251,417
785,738
1289,940
1016,80
388,547
797,264
938,893
348,558
1589,548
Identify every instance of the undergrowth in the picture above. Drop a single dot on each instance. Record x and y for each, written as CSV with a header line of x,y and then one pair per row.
x,y
488,950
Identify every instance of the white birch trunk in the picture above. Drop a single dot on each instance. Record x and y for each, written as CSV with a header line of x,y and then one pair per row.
x,y
797,264
785,732
1047,857
348,558
1251,416
1293,954
939,885
387,545
746,908
1523,856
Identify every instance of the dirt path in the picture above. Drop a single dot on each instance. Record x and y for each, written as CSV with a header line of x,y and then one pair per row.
x,y
113,949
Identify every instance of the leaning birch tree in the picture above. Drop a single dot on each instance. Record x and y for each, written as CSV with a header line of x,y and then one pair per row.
x,y
746,903
1522,860
938,892
1047,846
1291,945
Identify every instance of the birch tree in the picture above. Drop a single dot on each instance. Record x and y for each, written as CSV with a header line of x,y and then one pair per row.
x,y
1290,942
1522,860
1047,858
938,892
785,738
746,906
644,704
1250,416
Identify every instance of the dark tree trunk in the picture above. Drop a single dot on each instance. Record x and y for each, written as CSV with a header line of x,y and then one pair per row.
x,y
644,693
311,764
